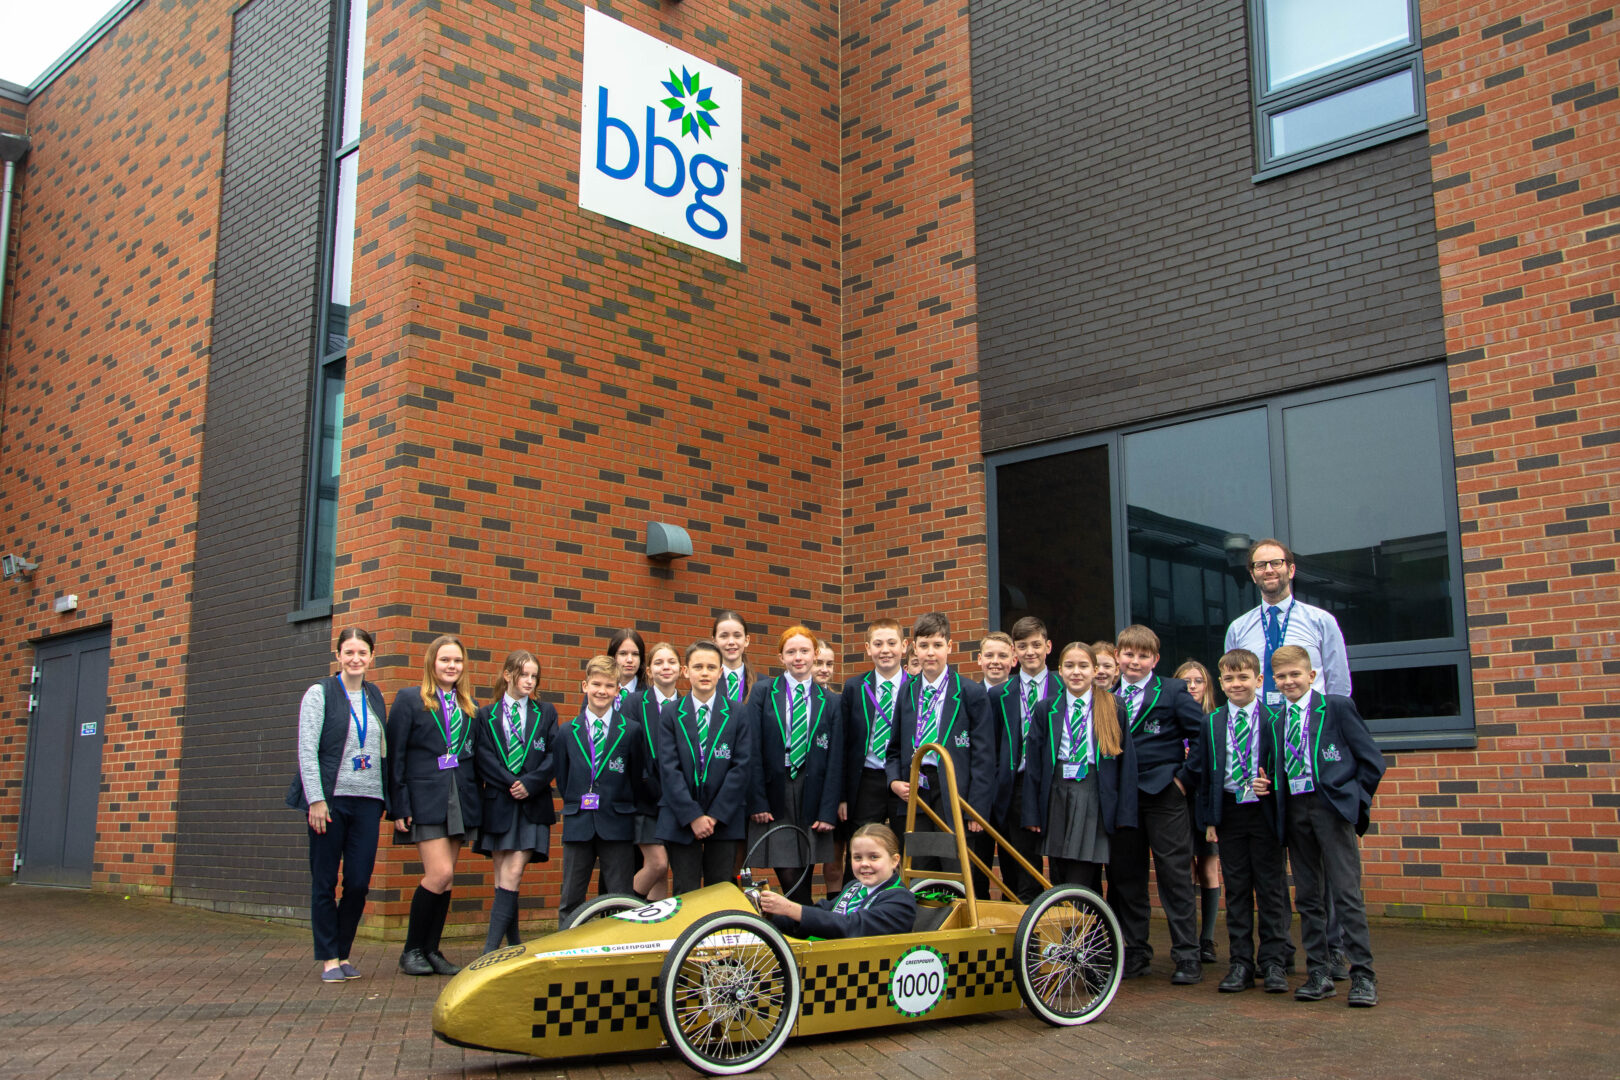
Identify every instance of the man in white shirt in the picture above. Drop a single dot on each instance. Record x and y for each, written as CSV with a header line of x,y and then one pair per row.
x,y
1281,619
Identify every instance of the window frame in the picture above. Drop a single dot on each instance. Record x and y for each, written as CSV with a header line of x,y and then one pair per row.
x,y
1268,103
1402,733
326,360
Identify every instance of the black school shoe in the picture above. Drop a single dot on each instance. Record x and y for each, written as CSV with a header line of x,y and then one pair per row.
x,y
1187,973
439,964
1363,991
414,962
1137,964
1276,980
1206,951
1318,986
1239,979
1341,966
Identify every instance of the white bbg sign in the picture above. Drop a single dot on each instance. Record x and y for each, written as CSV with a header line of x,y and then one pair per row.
x,y
660,142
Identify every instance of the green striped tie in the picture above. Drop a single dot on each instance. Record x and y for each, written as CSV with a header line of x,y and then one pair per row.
x,y
1294,743
798,729
453,724
1239,765
878,744
925,709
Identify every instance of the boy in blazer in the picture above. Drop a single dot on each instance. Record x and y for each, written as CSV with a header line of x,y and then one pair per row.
x,y
1237,810
1163,722
1012,707
599,762
870,706
1328,769
941,706
792,750
705,757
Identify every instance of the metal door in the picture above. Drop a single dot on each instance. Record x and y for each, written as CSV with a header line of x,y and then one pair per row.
x,y
64,760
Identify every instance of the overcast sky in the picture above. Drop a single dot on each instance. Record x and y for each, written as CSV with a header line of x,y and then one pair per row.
x,y
37,32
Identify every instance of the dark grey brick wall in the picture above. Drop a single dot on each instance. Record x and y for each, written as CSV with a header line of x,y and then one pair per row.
x,y
1127,265
237,844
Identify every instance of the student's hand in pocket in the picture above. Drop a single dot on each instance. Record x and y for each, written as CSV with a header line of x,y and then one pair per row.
x,y
1176,780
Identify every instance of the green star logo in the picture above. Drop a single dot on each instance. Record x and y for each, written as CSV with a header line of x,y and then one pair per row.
x,y
690,102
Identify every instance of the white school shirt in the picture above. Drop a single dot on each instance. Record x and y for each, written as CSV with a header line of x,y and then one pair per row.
x,y
1317,631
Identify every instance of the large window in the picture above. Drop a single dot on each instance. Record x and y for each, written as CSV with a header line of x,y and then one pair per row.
x,y
1333,77
326,446
1153,524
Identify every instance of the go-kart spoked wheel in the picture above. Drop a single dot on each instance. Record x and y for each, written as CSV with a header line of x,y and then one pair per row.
x,y
602,906
1069,956
729,992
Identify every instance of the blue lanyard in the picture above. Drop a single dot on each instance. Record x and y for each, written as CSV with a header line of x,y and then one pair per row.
x,y
362,721
1282,630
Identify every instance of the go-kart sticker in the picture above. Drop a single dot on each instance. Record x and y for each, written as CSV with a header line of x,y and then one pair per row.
x,y
657,911
492,958
608,950
918,980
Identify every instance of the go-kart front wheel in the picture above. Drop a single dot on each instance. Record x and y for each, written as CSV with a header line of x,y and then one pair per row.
x,y
1069,956
729,992
602,906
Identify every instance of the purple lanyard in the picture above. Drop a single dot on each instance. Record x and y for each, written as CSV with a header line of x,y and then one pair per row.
x,y
444,707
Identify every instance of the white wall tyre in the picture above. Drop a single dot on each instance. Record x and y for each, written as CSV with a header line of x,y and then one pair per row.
x,y
1068,956
728,994
602,906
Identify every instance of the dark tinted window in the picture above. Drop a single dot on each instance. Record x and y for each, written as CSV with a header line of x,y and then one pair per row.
x,y
1056,556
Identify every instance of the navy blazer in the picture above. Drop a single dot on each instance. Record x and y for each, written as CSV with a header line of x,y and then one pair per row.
x,y
725,785
855,711
1116,775
617,785
965,730
1346,763
418,788
1212,776
823,765
892,909
1168,718
539,735
1007,710
643,709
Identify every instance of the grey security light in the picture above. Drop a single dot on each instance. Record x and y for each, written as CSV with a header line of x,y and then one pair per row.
x,y
665,542
17,566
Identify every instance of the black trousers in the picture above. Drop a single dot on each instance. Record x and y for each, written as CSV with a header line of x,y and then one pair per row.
x,y
580,857
1166,830
703,862
1326,858
350,839
1253,867
1025,842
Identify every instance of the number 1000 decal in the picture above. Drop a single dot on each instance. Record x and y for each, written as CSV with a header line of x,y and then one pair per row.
x,y
918,980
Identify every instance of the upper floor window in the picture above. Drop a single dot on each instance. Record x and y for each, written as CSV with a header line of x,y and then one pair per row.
x,y
1332,77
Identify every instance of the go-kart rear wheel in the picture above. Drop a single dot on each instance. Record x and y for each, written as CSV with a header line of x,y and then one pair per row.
x,y
1069,956
937,889
729,992
602,906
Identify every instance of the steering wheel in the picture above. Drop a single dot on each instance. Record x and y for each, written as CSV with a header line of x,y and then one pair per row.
x,y
751,887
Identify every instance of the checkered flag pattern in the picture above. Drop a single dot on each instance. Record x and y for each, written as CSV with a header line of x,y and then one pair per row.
x,y
588,1009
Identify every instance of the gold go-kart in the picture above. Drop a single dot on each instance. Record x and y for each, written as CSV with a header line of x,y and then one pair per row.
x,y
705,973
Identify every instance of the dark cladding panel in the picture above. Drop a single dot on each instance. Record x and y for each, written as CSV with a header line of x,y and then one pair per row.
x,y
1130,268
237,844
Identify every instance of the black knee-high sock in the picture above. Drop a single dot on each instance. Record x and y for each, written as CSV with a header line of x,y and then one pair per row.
x,y
512,937
423,904
435,928
1212,908
502,914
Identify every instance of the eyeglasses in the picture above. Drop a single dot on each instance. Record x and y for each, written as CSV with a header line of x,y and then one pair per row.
x,y
1268,564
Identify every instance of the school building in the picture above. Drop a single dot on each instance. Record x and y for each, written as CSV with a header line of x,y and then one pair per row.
x,y
416,316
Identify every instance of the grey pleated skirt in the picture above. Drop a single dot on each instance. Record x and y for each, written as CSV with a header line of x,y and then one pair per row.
x,y
452,826
785,848
1074,825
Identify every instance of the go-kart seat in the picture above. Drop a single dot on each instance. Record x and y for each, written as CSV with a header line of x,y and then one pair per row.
x,y
931,916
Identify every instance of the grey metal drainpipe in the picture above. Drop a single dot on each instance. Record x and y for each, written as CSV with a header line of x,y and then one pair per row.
x,y
13,148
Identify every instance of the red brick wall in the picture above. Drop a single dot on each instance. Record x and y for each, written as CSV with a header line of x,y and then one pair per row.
x,y
1524,101
532,383
914,514
107,351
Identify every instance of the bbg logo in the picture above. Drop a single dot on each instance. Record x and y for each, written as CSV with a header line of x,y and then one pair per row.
x,y
660,138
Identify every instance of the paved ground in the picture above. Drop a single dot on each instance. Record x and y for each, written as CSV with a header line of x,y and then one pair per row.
x,y
95,986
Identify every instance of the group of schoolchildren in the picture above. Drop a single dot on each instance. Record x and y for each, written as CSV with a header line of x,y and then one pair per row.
x,y
1079,779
